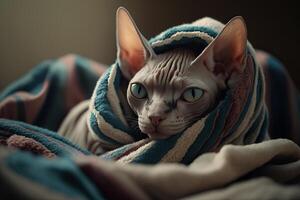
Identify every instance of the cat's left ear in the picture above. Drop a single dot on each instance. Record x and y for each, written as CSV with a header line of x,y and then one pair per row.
x,y
133,49
227,52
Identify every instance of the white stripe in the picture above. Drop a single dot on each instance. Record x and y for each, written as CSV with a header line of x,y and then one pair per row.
x,y
180,35
113,97
182,145
111,132
141,150
93,138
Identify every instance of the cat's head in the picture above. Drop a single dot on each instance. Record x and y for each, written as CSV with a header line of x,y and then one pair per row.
x,y
170,91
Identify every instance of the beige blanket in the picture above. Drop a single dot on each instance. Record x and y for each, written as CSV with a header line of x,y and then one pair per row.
x,y
268,170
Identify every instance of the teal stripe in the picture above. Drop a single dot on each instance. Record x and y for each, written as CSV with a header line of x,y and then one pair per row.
x,y
116,153
61,175
98,132
220,122
157,151
211,133
196,147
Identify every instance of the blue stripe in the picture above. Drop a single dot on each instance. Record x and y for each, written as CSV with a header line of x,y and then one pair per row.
x,y
96,129
157,151
209,135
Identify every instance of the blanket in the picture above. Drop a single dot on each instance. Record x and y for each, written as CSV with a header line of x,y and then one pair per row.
x,y
267,170
69,110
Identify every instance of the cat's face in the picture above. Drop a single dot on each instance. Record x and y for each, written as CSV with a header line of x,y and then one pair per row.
x,y
170,91
167,97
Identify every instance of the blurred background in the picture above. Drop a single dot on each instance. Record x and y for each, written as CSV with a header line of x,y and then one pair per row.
x,y
34,30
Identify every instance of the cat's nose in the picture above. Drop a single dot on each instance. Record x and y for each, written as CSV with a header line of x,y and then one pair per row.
x,y
155,120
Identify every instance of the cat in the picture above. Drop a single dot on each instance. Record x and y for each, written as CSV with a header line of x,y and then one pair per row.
x,y
170,91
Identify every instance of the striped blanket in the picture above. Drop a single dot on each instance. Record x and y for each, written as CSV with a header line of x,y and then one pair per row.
x,y
69,110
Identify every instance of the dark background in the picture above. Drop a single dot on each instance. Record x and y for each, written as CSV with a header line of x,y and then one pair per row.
x,y
35,30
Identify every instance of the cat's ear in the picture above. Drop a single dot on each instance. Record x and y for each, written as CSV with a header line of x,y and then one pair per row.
x,y
133,49
227,52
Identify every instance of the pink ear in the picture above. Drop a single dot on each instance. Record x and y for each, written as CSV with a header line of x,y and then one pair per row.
x,y
133,49
226,53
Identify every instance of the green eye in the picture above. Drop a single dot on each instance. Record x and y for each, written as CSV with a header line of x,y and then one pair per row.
x,y
192,94
138,90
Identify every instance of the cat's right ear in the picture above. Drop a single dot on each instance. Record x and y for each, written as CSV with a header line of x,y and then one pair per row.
x,y
133,49
227,52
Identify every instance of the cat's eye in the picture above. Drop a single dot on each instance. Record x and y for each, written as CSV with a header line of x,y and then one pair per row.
x,y
138,90
192,94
